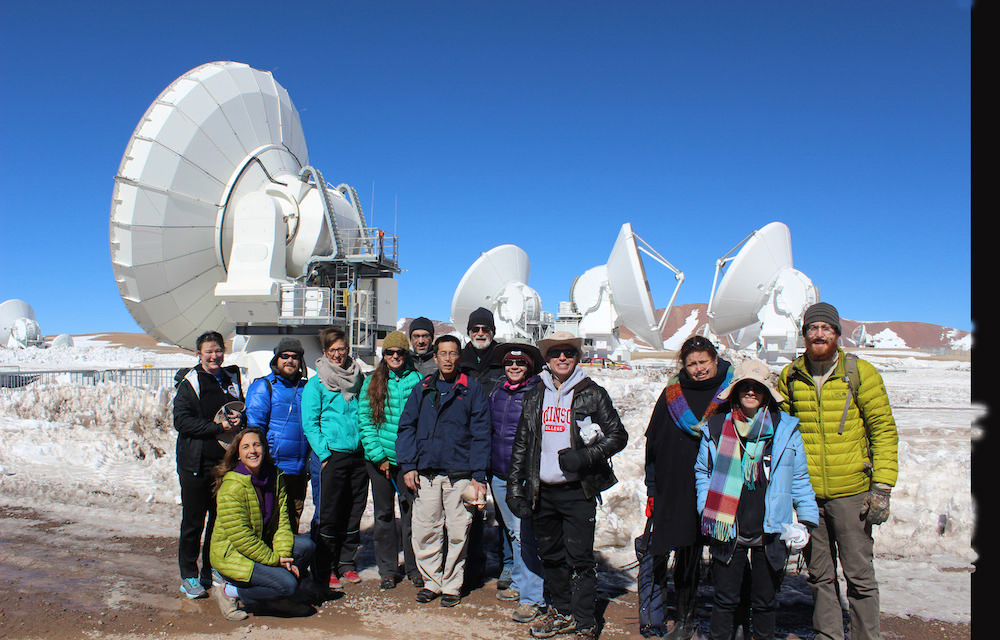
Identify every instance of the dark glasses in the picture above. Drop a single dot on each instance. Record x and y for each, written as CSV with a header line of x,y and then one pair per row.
x,y
399,353
288,356
555,352
515,362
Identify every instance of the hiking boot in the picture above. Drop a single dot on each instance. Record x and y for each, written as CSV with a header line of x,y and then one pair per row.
x,y
450,600
351,576
418,581
526,613
505,579
589,633
508,595
227,605
552,623
426,595
192,588
387,583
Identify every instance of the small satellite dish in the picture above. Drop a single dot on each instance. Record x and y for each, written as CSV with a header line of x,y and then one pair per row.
x,y
18,326
630,290
498,281
761,296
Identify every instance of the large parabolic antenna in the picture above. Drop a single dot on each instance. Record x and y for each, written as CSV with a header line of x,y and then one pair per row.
x,y
761,296
18,326
630,292
498,281
219,223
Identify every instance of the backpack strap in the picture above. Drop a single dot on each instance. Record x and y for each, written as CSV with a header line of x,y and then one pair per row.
x,y
853,380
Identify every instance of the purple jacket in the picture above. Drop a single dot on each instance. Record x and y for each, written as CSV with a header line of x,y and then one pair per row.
x,y
505,412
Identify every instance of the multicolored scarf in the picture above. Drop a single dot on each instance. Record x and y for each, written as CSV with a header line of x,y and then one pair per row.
x,y
681,413
731,471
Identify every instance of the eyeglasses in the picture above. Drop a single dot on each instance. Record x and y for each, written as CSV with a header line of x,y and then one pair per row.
x,y
755,389
447,355
337,350
820,327
479,328
555,352
288,356
515,362
394,353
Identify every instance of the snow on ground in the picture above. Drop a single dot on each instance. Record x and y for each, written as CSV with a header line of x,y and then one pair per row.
x,y
105,454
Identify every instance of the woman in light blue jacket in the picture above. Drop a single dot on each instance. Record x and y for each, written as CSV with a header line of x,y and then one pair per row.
x,y
751,474
330,422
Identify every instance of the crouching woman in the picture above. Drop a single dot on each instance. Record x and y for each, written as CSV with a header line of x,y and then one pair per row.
x,y
252,544
750,474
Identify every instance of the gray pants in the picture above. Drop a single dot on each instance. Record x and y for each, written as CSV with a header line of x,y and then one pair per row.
x,y
843,534
441,518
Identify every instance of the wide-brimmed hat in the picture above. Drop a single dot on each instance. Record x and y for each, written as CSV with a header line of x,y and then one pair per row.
x,y
752,370
560,339
531,352
226,437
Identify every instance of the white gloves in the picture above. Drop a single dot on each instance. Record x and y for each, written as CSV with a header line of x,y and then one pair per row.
x,y
589,431
795,535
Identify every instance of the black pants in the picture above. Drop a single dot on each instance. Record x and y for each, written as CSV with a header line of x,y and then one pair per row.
x,y
564,528
686,574
343,496
728,584
387,536
197,503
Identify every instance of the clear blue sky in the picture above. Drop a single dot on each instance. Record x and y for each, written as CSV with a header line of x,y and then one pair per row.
x,y
542,124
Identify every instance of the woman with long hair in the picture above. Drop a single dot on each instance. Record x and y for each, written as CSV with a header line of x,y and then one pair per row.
x,y
330,422
381,402
672,440
253,546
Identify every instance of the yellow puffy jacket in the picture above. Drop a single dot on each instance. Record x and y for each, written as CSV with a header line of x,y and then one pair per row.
x,y
240,536
841,457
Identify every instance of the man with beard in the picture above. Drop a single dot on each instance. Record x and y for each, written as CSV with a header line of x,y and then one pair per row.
x,y
274,404
422,346
850,439
477,355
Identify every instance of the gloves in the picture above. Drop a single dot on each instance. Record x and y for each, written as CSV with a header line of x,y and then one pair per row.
x,y
876,506
649,507
590,432
795,535
571,460
519,506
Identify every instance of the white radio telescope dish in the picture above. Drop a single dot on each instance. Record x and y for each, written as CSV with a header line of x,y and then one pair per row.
x,y
18,326
761,296
498,281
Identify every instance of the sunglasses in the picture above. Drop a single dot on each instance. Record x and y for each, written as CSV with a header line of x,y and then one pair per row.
x,y
288,356
479,328
555,352
394,353
515,362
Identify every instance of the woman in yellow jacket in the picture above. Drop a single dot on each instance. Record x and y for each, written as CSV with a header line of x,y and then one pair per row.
x,y
252,544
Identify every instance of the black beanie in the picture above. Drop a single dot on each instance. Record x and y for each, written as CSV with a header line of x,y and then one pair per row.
x,y
290,345
482,316
821,312
421,323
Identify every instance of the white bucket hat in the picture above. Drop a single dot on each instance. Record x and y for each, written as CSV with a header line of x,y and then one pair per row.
x,y
752,370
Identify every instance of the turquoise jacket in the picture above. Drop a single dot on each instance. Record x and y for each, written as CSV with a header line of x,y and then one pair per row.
x,y
329,421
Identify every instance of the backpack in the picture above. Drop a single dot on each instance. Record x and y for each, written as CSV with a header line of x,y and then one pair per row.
x,y
651,620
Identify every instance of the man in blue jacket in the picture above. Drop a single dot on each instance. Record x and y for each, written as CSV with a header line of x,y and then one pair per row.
x,y
274,404
443,450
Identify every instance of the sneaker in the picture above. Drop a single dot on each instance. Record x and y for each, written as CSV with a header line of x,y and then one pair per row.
x,y
335,584
588,633
526,613
552,623
227,605
351,576
426,595
450,600
217,579
192,588
508,595
505,579
387,583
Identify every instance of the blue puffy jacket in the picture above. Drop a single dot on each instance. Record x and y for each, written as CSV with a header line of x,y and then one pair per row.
x,y
445,432
274,403
505,413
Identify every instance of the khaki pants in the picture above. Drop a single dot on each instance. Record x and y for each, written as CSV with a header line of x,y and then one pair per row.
x,y
438,511
843,534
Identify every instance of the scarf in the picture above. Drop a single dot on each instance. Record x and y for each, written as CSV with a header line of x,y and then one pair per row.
x,y
264,487
731,471
346,380
681,413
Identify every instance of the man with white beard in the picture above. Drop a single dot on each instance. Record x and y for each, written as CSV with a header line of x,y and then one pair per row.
x,y
850,440
477,356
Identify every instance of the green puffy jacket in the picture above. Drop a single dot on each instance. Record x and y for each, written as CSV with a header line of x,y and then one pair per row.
x,y
240,537
840,458
380,439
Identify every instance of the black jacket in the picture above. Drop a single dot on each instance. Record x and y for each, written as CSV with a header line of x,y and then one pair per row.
x,y
198,448
589,399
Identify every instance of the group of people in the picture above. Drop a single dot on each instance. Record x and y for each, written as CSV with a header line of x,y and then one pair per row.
x,y
756,470
750,469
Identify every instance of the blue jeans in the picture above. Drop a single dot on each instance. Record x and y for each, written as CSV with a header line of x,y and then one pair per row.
x,y
526,575
271,583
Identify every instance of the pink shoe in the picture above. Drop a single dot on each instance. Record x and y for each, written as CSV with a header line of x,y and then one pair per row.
x,y
351,576
335,584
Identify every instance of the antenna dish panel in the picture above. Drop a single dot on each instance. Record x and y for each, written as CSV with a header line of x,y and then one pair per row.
x,y
745,287
501,268
630,289
17,321
220,131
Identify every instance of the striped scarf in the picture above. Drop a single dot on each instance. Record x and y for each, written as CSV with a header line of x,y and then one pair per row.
x,y
731,471
681,413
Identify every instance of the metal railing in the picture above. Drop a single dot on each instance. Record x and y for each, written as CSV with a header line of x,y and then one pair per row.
x,y
150,377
